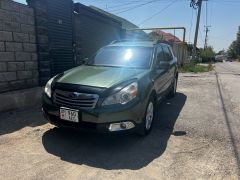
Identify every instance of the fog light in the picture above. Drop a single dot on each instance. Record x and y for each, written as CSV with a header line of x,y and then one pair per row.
x,y
121,126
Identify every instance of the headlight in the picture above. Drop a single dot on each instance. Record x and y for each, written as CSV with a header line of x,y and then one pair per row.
x,y
48,88
124,96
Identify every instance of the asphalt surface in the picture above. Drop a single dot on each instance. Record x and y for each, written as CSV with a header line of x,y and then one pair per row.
x,y
197,135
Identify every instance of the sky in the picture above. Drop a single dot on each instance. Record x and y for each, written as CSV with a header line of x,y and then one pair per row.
x,y
222,15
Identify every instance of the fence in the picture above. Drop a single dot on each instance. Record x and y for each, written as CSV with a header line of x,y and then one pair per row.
x,y
181,53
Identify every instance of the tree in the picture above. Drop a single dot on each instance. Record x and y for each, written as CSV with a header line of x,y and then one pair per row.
x,y
234,48
221,52
207,54
238,42
232,51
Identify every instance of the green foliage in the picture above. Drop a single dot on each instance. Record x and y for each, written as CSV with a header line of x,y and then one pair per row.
x,y
232,51
196,68
234,48
207,54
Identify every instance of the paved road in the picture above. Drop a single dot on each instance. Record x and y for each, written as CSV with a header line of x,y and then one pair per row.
x,y
204,143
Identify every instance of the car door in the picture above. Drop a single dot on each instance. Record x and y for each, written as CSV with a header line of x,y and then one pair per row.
x,y
160,71
170,60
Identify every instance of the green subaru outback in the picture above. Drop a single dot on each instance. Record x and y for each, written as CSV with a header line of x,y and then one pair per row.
x,y
117,89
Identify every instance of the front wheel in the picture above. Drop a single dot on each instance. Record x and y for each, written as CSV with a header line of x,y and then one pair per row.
x,y
149,117
173,87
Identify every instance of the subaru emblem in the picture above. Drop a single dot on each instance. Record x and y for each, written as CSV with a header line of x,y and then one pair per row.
x,y
74,95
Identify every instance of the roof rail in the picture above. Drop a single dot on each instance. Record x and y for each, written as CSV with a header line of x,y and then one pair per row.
x,y
114,41
162,41
128,40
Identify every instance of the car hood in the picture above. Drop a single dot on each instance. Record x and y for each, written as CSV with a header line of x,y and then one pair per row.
x,y
99,76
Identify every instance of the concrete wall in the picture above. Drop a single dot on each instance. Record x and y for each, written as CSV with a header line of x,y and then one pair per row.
x,y
18,52
21,99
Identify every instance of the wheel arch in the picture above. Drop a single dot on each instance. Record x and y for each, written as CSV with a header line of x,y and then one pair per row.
x,y
154,95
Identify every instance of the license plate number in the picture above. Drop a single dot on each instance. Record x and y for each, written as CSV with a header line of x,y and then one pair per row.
x,y
69,114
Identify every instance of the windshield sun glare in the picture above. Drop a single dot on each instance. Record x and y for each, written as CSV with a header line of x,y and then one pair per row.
x,y
118,56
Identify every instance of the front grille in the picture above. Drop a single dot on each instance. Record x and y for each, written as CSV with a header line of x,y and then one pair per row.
x,y
75,99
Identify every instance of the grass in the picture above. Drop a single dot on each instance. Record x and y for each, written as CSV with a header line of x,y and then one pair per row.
x,y
196,68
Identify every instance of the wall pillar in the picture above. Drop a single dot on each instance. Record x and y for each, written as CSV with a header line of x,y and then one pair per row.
x,y
41,26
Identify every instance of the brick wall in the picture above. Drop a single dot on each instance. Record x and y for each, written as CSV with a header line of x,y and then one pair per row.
x,y
18,52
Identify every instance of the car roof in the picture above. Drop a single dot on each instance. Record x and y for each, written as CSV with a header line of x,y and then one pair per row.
x,y
137,43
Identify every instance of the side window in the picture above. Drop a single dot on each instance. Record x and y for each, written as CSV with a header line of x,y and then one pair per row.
x,y
160,55
167,53
170,52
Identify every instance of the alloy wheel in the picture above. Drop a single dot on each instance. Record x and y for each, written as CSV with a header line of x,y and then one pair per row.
x,y
149,116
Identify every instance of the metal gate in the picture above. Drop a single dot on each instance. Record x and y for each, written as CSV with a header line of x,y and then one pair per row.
x,y
60,32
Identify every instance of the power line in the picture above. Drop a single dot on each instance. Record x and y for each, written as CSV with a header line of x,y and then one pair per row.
x,y
211,12
206,13
233,3
157,13
124,4
131,4
137,6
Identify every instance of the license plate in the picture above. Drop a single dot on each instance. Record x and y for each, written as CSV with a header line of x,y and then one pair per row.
x,y
69,114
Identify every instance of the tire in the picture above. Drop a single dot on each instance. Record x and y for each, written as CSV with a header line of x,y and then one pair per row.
x,y
149,117
173,89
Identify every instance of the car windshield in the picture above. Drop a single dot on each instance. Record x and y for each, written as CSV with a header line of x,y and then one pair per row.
x,y
132,57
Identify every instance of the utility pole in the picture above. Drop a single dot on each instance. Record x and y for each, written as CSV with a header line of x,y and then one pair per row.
x,y
199,4
206,36
206,28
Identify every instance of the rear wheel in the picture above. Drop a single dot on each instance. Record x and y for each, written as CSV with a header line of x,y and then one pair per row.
x,y
147,122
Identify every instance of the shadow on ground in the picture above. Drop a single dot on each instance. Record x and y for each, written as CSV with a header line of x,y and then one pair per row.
x,y
16,120
125,151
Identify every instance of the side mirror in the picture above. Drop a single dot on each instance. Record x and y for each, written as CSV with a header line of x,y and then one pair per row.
x,y
163,65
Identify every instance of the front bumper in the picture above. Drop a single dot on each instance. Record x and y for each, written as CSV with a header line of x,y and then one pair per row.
x,y
98,119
